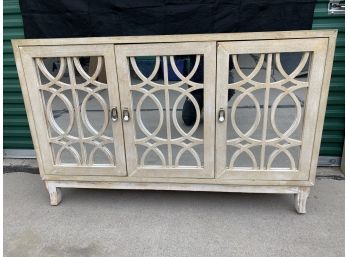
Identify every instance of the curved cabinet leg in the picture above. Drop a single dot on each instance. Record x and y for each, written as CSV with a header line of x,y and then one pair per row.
x,y
55,193
301,199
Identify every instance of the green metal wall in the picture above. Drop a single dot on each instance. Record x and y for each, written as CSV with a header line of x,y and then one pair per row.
x,y
16,129
333,135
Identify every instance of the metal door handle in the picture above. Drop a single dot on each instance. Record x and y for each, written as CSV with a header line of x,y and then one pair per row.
x,y
114,114
125,114
221,115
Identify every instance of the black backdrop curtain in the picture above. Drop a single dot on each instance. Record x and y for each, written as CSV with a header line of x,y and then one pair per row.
x,y
79,18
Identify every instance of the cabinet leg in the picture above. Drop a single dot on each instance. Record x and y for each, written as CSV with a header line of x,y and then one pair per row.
x,y
301,199
55,193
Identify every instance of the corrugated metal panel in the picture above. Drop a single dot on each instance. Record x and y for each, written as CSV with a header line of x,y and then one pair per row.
x,y
333,134
16,130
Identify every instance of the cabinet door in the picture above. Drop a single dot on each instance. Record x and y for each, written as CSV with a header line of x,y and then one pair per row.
x,y
168,130
71,90
266,130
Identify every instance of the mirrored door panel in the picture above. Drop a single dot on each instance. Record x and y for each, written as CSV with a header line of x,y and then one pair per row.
x,y
168,101
268,95
73,91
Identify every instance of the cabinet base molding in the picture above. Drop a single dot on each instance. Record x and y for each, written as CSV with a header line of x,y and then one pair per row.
x,y
300,193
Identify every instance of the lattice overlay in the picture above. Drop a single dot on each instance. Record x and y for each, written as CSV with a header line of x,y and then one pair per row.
x,y
261,93
161,137
77,112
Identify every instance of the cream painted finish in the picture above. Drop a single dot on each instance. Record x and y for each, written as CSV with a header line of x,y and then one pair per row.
x,y
45,124
122,168
313,51
170,165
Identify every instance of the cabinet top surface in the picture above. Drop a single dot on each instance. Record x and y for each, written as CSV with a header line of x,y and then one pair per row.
x,y
178,38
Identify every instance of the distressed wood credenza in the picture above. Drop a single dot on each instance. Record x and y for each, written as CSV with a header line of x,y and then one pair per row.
x,y
236,112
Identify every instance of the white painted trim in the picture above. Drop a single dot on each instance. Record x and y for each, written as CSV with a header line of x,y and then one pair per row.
x,y
176,187
19,154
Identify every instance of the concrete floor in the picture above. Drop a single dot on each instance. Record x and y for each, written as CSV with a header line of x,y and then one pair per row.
x,y
164,223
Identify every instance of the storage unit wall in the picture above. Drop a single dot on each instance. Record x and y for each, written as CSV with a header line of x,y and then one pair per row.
x,y
333,135
16,128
